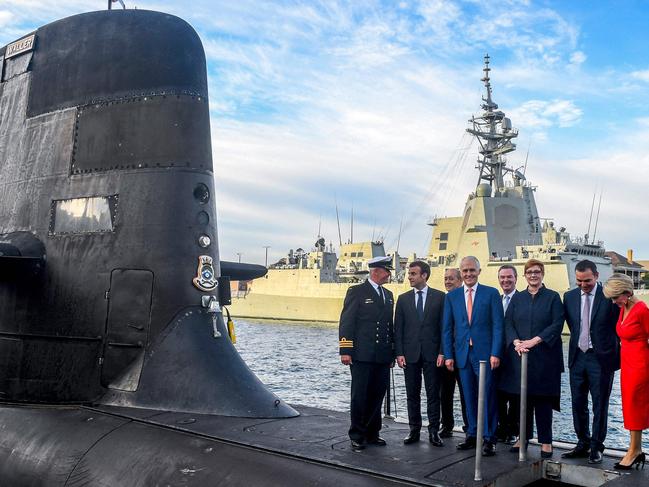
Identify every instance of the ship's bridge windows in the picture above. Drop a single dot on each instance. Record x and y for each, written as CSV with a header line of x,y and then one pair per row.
x,y
360,254
442,246
443,236
83,215
353,254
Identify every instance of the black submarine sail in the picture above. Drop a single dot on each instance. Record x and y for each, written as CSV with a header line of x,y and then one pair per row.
x,y
110,264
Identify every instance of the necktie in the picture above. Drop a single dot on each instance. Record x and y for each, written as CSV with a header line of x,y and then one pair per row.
x,y
584,333
381,295
469,304
420,304
506,299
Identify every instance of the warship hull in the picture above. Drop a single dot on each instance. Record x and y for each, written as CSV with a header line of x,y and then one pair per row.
x,y
283,296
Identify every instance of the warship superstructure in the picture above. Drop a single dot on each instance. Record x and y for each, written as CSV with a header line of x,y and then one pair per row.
x,y
500,224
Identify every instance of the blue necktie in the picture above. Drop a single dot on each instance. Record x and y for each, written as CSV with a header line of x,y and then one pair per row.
x,y
420,304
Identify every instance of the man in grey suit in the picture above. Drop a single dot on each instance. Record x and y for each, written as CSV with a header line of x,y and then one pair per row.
x,y
417,340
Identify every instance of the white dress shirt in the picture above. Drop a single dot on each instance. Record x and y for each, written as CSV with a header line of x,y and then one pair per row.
x,y
424,293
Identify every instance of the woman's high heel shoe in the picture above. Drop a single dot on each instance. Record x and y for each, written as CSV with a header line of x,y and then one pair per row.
x,y
637,461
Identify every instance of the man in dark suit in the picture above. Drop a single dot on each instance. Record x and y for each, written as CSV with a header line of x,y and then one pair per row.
x,y
452,280
593,358
508,404
366,344
417,341
473,331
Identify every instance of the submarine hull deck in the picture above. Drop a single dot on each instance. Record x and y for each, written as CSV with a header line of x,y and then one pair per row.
x,y
113,446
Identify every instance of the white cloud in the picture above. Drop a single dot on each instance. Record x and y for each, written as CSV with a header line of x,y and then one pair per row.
x,y
6,17
641,75
546,114
577,58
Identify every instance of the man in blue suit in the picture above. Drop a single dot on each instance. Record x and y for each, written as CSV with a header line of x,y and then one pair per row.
x,y
473,331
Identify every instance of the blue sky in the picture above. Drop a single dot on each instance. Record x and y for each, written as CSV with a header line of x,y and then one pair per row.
x,y
366,102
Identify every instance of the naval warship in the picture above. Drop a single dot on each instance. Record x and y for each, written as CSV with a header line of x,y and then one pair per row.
x,y
500,225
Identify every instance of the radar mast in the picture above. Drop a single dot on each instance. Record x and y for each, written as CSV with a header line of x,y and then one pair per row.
x,y
494,133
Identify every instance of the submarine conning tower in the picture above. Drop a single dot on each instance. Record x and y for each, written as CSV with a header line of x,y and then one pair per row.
x,y
109,263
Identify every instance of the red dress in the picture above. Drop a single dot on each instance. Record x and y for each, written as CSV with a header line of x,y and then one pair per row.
x,y
634,379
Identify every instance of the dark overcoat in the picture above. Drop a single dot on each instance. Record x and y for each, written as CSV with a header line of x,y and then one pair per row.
x,y
529,315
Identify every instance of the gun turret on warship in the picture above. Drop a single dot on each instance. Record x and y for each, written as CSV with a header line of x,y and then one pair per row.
x,y
500,224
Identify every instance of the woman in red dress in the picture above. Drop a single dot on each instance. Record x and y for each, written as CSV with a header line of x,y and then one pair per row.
x,y
633,330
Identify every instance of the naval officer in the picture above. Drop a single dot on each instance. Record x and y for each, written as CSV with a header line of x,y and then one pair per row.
x,y
418,346
366,334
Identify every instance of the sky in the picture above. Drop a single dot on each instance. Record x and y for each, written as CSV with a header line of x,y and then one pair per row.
x,y
363,105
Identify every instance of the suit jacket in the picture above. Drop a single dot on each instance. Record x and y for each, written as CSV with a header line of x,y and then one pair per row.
x,y
366,330
415,338
509,354
604,315
529,316
485,329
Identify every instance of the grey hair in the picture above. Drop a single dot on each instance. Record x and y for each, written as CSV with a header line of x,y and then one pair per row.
x,y
474,259
454,270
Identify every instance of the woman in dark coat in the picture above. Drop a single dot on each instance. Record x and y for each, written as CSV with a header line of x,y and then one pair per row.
x,y
533,325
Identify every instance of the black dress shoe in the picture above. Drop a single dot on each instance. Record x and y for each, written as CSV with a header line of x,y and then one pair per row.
x,y
378,441
446,433
468,444
637,461
546,454
358,445
489,449
434,439
579,451
595,457
413,437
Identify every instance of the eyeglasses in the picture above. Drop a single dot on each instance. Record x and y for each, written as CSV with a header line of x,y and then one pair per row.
x,y
532,273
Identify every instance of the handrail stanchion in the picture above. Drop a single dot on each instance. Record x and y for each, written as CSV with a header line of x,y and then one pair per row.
x,y
387,413
479,436
522,437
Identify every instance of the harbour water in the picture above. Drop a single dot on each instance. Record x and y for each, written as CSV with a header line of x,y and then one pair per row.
x,y
300,363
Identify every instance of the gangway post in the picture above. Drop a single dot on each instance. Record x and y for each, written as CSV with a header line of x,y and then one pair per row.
x,y
479,436
522,436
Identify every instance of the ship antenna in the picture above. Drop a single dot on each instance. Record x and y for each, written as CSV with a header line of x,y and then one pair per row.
x,y
319,225
399,237
526,158
590,218
599,205
340,238
351,236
